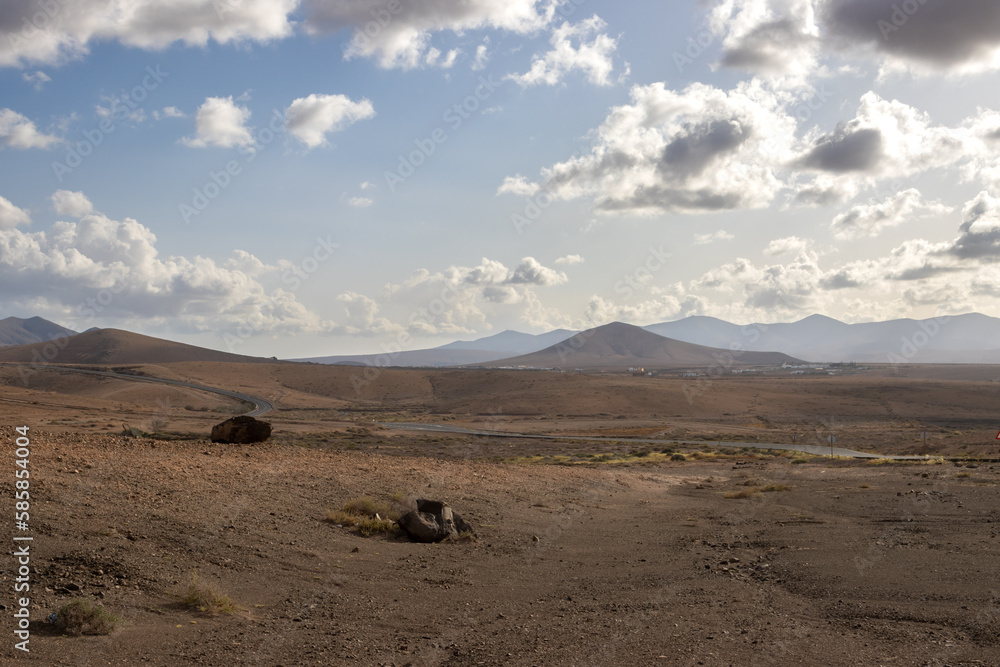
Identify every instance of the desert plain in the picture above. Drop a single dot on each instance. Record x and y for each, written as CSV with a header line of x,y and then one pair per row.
x,y
702,551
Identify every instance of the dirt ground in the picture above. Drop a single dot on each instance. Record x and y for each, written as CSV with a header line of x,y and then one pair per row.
x,y
625,558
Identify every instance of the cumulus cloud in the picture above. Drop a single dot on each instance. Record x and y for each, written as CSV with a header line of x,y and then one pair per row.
x,y
928,36
786,245
871,218
11,216
531,272
403,39
57,32
569,260
705,239
457,300
778,39
359,202
311,118
518,185
697,150
594,58
886,138
36,79
18,131
482,55
73,204
99,268
788,39
980,229
221,122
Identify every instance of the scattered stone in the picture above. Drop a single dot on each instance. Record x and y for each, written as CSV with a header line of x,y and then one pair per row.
x,y
241,430
356,550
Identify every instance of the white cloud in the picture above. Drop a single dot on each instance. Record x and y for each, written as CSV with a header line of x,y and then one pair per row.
x,y
697,150
360,202
778,39
517,185
594,58
871,218
457,300
37,79
705,239
569,260
18,131
482,55
169,112
73,204
11,216
885,139
403,39
57,32
220,122
789,244
787,39
73,263
311,118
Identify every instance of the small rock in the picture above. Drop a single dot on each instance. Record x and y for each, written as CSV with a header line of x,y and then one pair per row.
x,y
356,550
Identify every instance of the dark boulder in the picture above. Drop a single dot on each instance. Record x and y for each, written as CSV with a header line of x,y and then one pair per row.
x,y
241,430
432,522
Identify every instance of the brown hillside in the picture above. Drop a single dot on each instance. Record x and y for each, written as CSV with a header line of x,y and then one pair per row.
x,y
113,346
619,345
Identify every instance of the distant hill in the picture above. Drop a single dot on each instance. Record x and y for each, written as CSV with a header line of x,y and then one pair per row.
x,y
113,346
460,353
16,331
969,338
622,346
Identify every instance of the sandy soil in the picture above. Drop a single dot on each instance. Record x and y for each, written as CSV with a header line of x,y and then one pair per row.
x,y
640,560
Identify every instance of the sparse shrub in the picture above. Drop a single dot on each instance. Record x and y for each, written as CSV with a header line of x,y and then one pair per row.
x,y
678,457
81,617
370,526
202,597
770,488
799,461
667,450
365,506
367,515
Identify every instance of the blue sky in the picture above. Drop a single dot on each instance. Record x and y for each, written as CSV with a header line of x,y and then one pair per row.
x,y
300,177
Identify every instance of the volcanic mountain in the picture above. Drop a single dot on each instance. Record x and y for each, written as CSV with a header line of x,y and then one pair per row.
x,y
113,346
619,345
16,331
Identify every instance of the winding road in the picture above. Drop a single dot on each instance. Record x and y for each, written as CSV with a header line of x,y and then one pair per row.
x,y
261,406
819,450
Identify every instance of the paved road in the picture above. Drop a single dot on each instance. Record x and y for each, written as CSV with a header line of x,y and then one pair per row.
x,y
261,406
809,449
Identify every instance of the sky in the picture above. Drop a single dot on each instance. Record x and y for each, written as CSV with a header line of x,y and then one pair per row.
x,y
299,178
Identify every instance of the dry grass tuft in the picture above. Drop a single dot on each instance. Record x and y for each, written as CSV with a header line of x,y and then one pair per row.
x,y
205,599
81,617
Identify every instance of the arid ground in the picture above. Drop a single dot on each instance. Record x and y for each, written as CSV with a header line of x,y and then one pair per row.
x,y
586,553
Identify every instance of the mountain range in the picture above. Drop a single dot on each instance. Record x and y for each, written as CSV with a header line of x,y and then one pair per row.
x,y
968,338
16,331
